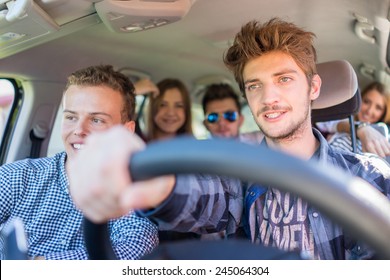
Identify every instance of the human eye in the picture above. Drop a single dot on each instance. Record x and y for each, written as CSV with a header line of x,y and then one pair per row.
x,y
366,101
284,79
163,104
70,117
379,108
98,121
253,87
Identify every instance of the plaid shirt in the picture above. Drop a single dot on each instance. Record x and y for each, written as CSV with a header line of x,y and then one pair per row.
x,y
205,203
36,190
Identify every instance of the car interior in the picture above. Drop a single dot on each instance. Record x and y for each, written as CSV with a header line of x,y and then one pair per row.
x,y
43,41
339,94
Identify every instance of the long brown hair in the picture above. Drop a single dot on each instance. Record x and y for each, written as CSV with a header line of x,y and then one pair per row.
x,y
154,103
381,89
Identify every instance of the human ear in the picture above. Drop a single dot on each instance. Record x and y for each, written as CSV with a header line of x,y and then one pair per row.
x,y
315,87
130,125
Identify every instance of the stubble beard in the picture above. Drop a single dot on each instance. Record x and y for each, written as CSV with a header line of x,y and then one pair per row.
x,y
293,131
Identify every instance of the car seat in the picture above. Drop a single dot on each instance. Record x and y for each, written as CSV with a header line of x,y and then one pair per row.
x,y
339,96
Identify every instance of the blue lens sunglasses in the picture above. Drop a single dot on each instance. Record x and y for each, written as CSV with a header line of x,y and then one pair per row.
x,y
230,116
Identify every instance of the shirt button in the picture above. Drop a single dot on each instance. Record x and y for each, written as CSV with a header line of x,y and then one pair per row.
x,y
252,193
63,242
315,214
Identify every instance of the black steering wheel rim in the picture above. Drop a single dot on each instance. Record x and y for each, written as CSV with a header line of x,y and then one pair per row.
x,y
350,201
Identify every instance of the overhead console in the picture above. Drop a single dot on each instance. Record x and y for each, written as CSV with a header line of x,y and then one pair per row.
x,y
138,15
27,23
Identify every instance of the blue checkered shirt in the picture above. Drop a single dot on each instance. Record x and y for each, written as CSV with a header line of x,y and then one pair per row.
x,y
36,190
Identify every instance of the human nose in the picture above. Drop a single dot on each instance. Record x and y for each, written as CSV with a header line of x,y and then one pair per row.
x,y
172,110
370,111
81,128
221,120
269,94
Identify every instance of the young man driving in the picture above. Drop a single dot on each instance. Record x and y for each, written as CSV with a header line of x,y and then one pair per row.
x,y
275,66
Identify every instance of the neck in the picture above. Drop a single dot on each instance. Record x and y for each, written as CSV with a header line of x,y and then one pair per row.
x,y
302,145
160,135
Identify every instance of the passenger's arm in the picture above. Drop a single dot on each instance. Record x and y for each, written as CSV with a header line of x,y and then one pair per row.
x,y
372,140
329,127
131,236
146,86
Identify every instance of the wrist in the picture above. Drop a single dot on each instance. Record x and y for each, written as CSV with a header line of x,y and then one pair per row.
x,y
359,126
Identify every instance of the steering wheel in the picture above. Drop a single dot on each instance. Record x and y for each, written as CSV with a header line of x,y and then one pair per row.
x,y
350,201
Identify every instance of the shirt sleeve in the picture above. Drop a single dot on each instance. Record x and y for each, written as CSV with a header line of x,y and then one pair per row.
x,y
201,204
132,237
6,197
6,206
328,127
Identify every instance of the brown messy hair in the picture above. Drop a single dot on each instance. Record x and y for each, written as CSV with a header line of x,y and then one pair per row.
x,y
257,39
105,75
155,102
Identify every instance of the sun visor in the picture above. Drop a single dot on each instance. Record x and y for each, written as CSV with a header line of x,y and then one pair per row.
x,y
25,24
27,14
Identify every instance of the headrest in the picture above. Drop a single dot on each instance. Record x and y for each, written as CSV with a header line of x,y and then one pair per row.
x,y
339,94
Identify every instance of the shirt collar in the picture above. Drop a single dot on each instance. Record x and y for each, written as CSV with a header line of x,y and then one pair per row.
x,y
323,148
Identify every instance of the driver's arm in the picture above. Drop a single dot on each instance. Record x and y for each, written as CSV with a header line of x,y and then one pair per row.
x,y
101,187
100,183
202,204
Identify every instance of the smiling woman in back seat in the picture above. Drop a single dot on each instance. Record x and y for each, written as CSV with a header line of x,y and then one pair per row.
x,y
374,109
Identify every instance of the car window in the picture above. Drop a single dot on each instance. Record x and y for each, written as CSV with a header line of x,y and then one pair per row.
x,y
249,124
55,143
7,95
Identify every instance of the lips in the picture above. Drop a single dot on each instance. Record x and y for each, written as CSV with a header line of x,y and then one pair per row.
x,y
170,121
365,118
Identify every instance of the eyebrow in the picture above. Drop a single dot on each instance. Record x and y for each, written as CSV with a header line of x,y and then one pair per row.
x,y
91,114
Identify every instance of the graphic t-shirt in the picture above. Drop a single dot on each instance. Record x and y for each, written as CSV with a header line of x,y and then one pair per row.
x,y
283,222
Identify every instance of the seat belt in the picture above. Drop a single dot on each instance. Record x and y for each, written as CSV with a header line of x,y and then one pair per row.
x,y
353,133
37,135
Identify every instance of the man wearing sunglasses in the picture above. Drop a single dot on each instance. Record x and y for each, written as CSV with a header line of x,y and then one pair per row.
x,y
222,111
223,118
